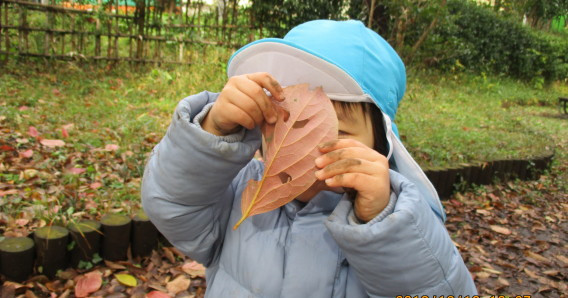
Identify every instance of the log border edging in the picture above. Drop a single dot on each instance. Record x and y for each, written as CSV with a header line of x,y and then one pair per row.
x,y
485,173
147,244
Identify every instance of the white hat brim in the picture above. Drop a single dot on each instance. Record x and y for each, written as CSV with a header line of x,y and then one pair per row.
x,y
291,65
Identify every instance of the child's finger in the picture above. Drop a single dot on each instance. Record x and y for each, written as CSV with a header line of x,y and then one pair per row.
x,y
262,100
268,82
339,144
350,165
248,105
357,181
349,152
239,116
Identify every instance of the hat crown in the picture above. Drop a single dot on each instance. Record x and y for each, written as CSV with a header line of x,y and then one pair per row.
x,y
361,53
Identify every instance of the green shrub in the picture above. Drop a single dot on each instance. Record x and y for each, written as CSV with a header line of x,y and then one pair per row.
x,y
279,16
481,40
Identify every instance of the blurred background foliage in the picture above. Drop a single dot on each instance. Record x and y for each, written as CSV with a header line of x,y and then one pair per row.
x,y
524,39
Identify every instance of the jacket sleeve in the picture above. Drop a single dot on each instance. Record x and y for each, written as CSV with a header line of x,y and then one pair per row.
x,y
406,251
187,188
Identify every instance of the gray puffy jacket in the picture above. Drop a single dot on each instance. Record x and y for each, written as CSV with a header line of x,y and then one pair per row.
x,y
191,191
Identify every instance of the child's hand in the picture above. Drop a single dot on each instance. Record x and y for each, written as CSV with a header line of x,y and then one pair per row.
x,y
348,163
243,103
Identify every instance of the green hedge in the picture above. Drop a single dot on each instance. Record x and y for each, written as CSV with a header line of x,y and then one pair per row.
x,y
476,38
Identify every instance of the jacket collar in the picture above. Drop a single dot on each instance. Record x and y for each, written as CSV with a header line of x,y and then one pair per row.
x,y
324,202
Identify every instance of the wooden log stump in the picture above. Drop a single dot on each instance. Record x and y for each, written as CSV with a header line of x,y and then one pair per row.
x,y
499,169
116,237
87,237
434,175
449,182
144,235
51,249
487,173
476,171
17,258
523,169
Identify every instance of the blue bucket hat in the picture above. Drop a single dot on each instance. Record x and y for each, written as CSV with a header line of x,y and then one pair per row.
x,y
363,66
351,63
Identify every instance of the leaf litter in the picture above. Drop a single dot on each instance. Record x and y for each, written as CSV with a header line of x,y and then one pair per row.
x,y
512,236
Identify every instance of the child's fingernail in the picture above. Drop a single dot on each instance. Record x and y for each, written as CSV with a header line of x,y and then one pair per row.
x,y
318,160
328,181
318,173
327,144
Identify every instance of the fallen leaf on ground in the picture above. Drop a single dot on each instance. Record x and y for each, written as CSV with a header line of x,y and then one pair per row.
x,y
500,229
22,221
52,143
503,281
32,131
113,265
111,147
64,132
157,294
88,283
8,192
126,279
27,154
95,185
536,256
194,269
180,283
531,274
76,171
563,259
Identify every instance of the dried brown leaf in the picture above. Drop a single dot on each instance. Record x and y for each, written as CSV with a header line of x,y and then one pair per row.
x,y
179,284
194,269
500,230
530,273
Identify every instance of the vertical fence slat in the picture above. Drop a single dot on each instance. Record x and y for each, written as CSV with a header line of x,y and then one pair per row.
x,y
130,41
3,32
109,37
97,38
73,37
48,33
140,20
116,29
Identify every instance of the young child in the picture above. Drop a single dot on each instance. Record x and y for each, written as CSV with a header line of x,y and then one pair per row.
x,y
385,238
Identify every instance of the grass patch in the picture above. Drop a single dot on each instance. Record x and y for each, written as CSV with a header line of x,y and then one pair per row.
x,y
447,120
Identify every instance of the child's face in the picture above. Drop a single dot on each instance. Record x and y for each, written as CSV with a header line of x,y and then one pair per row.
x,y
353,124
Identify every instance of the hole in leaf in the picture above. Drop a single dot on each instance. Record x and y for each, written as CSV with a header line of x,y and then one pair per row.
x,y
300,123
284,177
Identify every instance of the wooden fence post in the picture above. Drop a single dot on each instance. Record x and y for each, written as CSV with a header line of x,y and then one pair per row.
x,y
140,16
48,36
22,30
4,8
97,37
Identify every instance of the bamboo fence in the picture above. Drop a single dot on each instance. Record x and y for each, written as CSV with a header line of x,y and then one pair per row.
x,y
115,31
